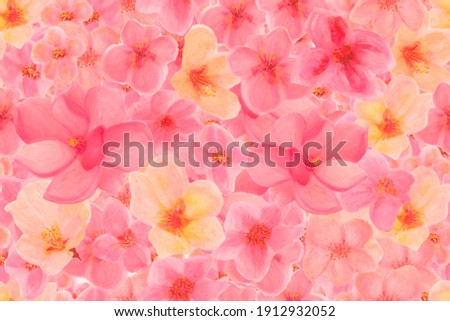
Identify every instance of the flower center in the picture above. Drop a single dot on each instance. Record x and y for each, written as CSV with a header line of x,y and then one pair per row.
x,y
291,296
414,58
388,4
59,53
175,220
343,55
181,289
386,186
339,250
77,142
89,58
125,195
258,234
127,239
141,53
13,16
30,267
424,296
66,16
269,65
167,122
386,297
30,71
220,158
203,85
390,127
409,218
238,13
3,257
434,237
5,114
53,239
128,5
94,18
319,92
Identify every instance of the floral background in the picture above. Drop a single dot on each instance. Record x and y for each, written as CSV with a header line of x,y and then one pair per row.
x,y
75,74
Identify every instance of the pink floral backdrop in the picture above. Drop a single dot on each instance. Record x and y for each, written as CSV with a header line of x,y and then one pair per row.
x,y
84,220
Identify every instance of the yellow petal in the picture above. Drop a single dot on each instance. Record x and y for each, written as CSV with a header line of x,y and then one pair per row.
x,y
411,238
202,198
224,104
206,233
199,43
371,111
392,147
183,85
167,244
18,36
440,291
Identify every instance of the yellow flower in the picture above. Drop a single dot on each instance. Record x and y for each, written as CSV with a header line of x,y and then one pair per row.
x,y
183,214
422,56
428,205
16,17
440,14
204,75
402,111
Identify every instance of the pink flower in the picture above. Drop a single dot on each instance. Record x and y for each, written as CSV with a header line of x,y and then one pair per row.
x,y
124,241
343,59
312,177
65,140
89,64
393,285
337,249
234,20
9,141
254,235
384,190
19,71
385,17
142,58
291,14
57,52
438,130
166,116
265,67
32,280
75,11
183,280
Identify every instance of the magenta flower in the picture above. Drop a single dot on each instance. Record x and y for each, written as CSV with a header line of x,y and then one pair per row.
x,y
343,59
142,59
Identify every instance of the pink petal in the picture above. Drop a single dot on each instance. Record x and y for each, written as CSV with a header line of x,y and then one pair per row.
x,y
107,275
384,212
283,236
209,290
149,77
46,158
441,97
136,258
311,67
260,95
116,217
73,185
176,16
93,154
253,262
357,232
340,272
372,51
317,198
243,60
328,31
117,63
340,177
197,267
104,106
412,13
165,49
106,247
35,121
315,261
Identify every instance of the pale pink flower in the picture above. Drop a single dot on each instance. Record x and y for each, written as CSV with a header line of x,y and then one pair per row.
x,y
58,51
50,230
384,190
264,66
254,235
76,11
337,249
234,20
142,59
183,280
385,16
9,140
438,130
393,285
123,241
